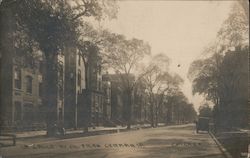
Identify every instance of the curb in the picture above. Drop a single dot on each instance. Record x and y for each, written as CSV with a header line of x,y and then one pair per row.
x,y
83,134
222,149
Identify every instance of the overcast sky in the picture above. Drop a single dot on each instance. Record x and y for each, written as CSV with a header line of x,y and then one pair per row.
x,y
180,29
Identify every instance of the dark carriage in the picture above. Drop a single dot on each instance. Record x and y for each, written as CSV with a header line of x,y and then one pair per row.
x,y
202,124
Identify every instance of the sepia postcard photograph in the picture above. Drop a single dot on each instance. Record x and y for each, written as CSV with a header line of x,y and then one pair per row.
x,y
124,79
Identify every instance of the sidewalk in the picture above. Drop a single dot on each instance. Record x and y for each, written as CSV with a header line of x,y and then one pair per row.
x,y
30,137
234,142
96,130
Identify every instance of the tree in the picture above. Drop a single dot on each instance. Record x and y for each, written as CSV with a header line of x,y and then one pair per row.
x,y
99,9
245,5
189,113
221,77
177,108
159,83
235,29
225,84
205,111
204,75
156,72
234,77
124,56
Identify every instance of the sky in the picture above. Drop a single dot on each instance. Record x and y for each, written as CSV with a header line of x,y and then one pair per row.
x,y
179,29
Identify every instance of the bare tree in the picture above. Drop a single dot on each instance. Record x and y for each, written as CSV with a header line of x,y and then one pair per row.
x,y
123,57
159,82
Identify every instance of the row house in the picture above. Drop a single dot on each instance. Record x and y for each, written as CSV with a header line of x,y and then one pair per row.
x,y
79,92
118,101
22,90
78,85
74,85
21,81
90,102
141,104
116,98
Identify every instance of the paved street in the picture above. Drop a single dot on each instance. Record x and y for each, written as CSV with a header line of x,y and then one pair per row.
x,y
171,142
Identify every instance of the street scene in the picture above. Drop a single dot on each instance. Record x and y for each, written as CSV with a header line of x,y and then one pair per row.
x,y
118,78
173,141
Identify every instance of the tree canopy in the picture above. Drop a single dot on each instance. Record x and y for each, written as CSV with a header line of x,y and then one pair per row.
x,y
222,76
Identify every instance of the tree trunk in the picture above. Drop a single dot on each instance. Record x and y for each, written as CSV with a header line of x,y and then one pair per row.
x,y
6,51
157,116
151,110
87,94
158,109
87,110
50,93
129,108
152,114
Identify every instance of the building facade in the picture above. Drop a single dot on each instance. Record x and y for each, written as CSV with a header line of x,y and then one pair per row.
x,y
83,88
22,91
116,98
92,97
74,85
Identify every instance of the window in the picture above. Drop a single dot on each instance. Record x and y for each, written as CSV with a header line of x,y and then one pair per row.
x,y
79,78
17,78
17,114
28,84
40,89
79,60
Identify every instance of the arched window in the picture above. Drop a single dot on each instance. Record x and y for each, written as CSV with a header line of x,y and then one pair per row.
x,y
28,84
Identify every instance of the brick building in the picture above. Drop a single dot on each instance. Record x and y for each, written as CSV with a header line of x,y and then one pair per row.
x,y
141,104
116,98
22,90
92,97
83,88
74,85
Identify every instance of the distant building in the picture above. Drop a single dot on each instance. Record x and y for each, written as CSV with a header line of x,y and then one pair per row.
x,y
106,85
119,100
141,110
116,98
